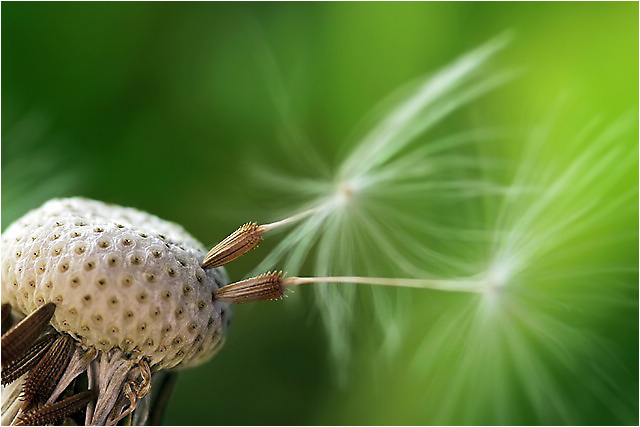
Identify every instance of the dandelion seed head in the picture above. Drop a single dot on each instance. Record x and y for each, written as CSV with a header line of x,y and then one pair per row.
x,y
114,274
122,291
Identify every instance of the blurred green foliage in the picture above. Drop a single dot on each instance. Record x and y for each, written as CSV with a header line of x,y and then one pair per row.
x,y
165,107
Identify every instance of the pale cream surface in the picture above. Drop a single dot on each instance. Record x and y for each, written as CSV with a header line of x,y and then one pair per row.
x,y
119,278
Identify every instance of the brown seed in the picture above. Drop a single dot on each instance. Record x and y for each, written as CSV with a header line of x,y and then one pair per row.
x,y
53,412
16,369
44,377
6,317
267,286
17,341
234,246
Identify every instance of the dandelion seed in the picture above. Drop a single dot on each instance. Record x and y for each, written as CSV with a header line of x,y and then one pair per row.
x,y
360,210
273,285
526,290
53,412
525,329
268,286
234,246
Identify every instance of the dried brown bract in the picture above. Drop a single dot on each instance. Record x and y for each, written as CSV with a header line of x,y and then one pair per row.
x,y
28,360
18,339
6,317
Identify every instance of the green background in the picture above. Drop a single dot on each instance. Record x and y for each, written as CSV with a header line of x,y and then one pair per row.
x,y
166,107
